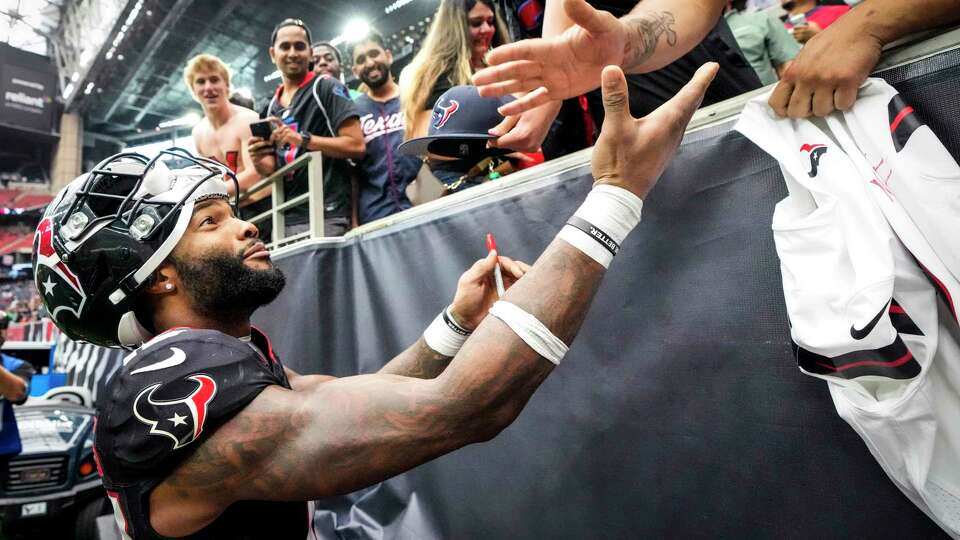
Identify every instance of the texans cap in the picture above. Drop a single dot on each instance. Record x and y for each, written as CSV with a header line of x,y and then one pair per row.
x,y
459,125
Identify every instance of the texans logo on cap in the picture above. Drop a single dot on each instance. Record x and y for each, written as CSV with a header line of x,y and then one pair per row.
x,y
442,114
180,420
54,279
460,126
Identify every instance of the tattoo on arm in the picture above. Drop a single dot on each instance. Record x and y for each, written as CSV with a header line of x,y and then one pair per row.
x,y
419,361
644,34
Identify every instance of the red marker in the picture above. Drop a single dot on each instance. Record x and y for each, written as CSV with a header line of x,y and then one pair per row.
x,y
497,273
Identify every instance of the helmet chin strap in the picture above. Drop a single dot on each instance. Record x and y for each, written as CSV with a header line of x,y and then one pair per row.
x,y
130,333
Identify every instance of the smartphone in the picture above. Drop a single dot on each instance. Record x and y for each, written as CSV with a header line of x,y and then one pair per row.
x,y
261,129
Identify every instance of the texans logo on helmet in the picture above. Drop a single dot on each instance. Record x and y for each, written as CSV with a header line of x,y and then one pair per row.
x,y
816,150
180,420
442,114
58,284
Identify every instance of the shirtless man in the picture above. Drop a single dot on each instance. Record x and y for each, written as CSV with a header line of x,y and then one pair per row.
x,y
225,128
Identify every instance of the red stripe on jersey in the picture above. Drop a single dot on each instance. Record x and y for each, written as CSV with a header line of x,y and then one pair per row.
x,y
899,118
118,505
890,364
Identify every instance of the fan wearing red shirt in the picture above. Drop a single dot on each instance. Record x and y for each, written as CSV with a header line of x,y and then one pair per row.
x,y
817,17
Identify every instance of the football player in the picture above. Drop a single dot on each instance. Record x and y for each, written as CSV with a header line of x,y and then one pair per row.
x,y
204,433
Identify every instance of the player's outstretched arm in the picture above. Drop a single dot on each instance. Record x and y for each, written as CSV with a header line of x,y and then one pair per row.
x,y
355,431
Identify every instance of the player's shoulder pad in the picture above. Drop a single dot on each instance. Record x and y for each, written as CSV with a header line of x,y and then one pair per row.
x,y
173,391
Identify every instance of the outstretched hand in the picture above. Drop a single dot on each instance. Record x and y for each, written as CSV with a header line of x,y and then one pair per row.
x,y
555,68
477,290
632,152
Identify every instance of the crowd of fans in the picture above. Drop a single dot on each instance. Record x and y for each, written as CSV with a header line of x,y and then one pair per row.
x,y
366,173
367,176
20,302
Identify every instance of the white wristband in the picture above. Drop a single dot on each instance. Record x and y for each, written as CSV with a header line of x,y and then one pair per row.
x,y
530,330
443,337
602,222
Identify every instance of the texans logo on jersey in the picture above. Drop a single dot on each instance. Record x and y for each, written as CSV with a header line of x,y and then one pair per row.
x,y
181,420
442,114
54,279
816,150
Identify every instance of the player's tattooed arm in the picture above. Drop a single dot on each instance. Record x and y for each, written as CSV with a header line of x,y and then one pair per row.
x,y
644,32
419,361
301,383
355,431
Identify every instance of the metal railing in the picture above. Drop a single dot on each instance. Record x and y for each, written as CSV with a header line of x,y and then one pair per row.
x,y
279,204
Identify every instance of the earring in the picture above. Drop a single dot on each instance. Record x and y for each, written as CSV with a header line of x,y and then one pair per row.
x,y
169,286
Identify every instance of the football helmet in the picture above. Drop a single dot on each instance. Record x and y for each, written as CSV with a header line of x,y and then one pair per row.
x,y
107,231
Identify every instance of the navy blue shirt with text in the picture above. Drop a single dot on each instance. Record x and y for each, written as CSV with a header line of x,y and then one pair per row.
x,y
384,173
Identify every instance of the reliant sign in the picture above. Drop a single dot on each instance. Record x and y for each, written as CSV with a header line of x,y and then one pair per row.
x,y
26,98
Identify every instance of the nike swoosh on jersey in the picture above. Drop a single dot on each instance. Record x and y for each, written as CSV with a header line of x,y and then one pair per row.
x,y
176,359
865,331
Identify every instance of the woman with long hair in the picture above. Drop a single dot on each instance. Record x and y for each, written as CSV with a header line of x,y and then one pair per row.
x,y
461,34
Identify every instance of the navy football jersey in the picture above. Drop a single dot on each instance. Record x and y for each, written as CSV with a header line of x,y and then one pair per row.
x,y
169,396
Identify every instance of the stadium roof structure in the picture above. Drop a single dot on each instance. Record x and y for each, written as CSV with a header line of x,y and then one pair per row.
x,y
28,24
121,61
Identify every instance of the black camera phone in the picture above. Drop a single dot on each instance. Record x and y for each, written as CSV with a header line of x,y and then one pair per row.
x,y
262,129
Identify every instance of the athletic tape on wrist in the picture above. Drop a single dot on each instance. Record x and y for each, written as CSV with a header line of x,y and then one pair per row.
x,y
442,338
602,222
531,331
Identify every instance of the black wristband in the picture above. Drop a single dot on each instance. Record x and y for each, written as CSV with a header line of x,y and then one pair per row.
x,y
452,324
601,237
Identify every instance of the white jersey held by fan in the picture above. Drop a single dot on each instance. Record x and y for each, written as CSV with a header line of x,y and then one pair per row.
x,y
869,247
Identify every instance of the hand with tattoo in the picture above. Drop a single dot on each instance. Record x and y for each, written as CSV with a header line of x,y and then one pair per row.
x,y
632,152
476,290
564,66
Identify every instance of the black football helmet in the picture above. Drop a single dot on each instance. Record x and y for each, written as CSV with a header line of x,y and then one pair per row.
x,y
107,231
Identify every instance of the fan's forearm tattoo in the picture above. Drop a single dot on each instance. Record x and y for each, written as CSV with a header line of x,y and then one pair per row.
x,y
644,31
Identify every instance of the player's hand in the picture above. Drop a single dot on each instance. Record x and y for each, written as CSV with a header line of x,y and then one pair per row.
x,y
632,152
261,155
477,289
827,73
284,135
527,131
555,68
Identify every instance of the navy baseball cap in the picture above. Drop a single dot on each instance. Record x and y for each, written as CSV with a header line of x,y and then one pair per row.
x,y
459,125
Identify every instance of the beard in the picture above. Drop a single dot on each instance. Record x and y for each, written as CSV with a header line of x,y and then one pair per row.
x,y
376,83
222,287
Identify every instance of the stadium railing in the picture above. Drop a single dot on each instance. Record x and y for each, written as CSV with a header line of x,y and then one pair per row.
x,y
313,199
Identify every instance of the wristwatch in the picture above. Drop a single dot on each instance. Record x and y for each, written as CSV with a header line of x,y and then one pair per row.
x,y
306,138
